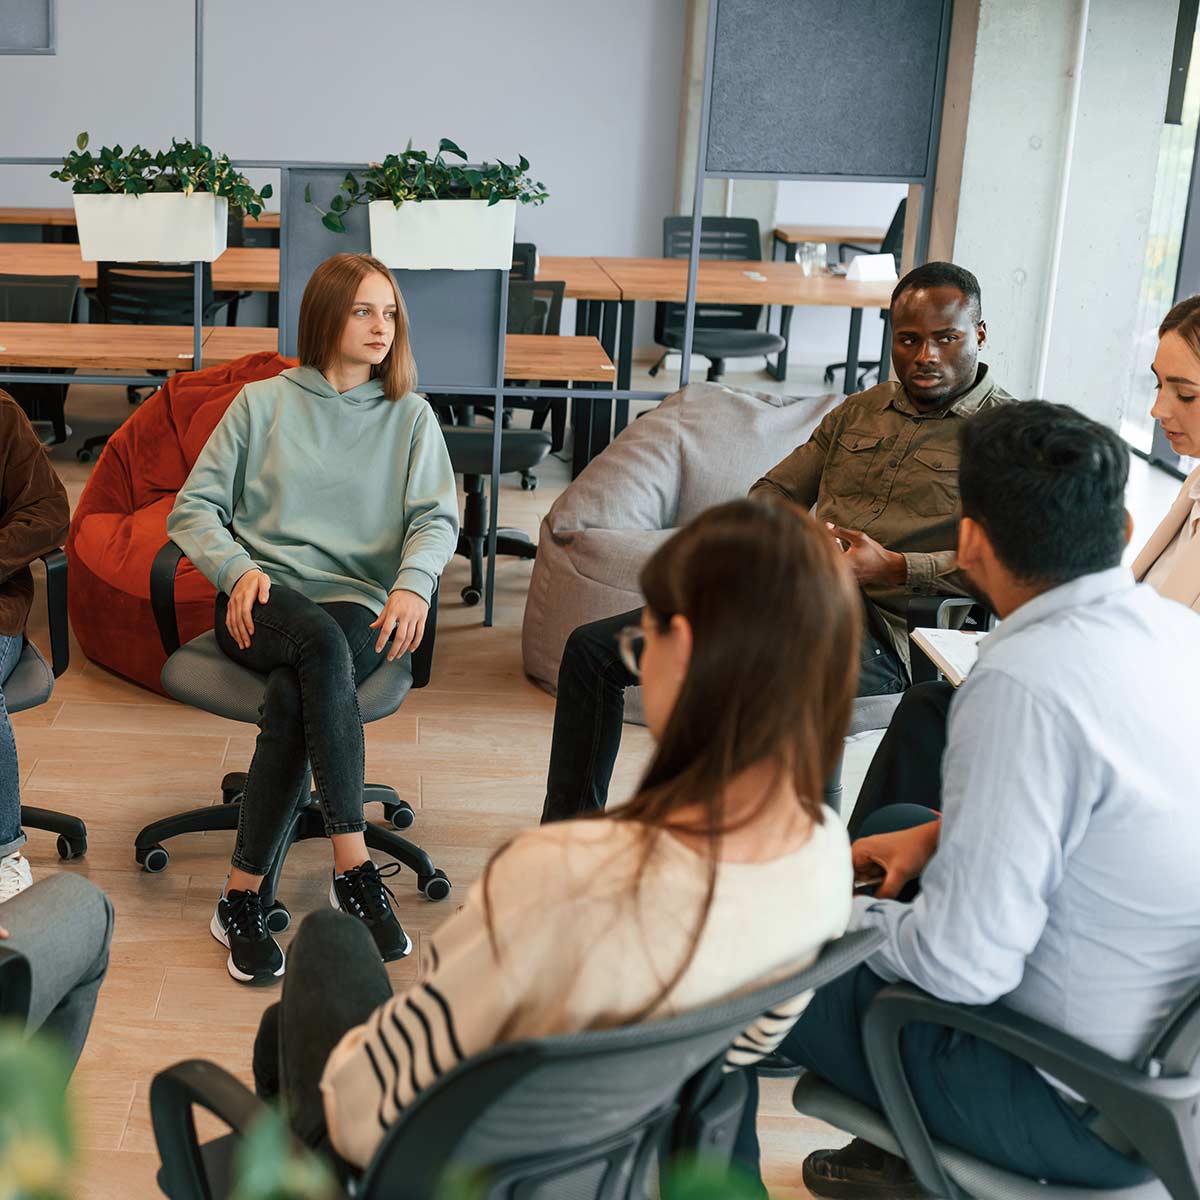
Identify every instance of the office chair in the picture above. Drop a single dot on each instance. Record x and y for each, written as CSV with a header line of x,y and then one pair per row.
x,y
893,244
42,298
586,1115
199,674
470,449
721,331
150,294
31,683
524,263
1152,1103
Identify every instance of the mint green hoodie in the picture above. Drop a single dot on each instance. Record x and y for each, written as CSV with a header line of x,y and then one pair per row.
x,y
341,496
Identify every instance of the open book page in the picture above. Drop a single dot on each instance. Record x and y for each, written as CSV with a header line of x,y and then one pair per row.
x,y
952,651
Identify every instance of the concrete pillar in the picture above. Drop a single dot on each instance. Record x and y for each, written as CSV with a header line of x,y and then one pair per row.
x,y
1015,146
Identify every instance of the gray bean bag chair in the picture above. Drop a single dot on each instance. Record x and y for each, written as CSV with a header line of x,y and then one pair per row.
x,y
702,446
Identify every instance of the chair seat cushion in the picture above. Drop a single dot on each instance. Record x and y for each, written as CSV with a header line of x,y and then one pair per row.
x,y
199,674
728,343
31,681
471,448
872,712
982,1181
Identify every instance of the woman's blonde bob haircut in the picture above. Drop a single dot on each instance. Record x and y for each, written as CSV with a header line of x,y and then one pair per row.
x,y
325,309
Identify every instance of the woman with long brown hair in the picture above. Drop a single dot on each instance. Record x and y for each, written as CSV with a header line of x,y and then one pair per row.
x,y
723,872
323,510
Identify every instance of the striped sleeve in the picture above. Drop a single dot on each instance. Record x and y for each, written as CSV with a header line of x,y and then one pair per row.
x,y
763,1037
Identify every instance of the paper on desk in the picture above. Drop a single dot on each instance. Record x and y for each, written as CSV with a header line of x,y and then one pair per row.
x,y
952,651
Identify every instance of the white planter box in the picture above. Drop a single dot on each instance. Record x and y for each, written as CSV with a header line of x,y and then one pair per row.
x,y
447,235
157,227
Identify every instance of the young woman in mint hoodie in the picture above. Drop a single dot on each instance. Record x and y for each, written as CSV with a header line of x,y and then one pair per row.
x,y
323,509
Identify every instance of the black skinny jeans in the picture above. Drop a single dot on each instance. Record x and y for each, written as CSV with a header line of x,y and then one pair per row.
x,y
314,657
591,707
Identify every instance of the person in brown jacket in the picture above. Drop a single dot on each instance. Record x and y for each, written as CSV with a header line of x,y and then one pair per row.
x,y
34,514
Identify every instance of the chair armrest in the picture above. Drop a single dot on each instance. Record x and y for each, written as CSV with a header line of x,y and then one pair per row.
x,y
173,1094
933,612
162,595
15,984
56,605
422,658
1155,1115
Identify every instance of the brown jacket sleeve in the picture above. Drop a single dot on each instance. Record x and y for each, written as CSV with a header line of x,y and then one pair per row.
x,y
798,477
34,512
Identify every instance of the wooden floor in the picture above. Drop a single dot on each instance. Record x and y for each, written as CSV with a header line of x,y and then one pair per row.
x,y
469,753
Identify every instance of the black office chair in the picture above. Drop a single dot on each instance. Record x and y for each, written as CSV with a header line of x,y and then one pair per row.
x,y
721,331
150,294
893,244
470,449
1151,1103
524,263
536,308
199,674
42,298
588,1116
31,683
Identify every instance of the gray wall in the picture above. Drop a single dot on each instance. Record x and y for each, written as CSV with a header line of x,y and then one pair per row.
x,y
588,92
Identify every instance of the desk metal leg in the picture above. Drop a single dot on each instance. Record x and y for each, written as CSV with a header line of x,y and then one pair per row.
x,y
581,409
624,365
885,347
850,383
779,370
602,410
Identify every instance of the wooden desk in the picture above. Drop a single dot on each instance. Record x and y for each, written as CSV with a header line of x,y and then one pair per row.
x,y
128,348
65,217
526,356
831,235
584,277
239,269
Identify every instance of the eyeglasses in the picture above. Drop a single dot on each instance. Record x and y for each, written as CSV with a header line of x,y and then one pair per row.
x,y
631,641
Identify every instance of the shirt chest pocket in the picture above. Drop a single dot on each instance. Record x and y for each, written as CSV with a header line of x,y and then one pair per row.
x,y
851,475
933,483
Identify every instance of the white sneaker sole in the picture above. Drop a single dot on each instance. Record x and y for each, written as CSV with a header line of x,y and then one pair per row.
x,y
218,931
408,945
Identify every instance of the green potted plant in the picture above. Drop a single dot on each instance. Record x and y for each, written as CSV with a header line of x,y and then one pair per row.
x,y
165,206
427,213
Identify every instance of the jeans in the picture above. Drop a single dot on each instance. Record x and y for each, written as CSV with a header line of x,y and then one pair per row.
x,y
11,836
907,767
334,982
971,1094
63,925
590,707
314,657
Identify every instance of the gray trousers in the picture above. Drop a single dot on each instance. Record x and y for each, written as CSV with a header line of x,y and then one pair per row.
x,y
63,926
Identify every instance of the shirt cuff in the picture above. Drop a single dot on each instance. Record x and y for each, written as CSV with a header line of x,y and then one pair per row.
x,y
920,572
232,570
413,579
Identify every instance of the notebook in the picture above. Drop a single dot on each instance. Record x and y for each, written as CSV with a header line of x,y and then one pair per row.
x,y
952,651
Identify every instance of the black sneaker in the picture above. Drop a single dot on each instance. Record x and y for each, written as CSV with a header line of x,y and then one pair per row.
x,y
362,893
860,1171
239,923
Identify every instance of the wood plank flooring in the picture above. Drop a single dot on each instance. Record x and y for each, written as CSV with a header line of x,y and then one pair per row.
x,y
469,753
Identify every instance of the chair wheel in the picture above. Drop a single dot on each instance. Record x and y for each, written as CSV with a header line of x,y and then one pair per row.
x,y
152,859
529,483
69,849
653,371
435,886
471,596
230,795
401,815
278,917
83,455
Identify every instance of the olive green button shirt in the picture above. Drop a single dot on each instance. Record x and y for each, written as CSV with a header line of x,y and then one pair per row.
x,y
879,464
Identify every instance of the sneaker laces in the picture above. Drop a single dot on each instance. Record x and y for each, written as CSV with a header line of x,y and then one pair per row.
x,y
244,915
368,891
12,882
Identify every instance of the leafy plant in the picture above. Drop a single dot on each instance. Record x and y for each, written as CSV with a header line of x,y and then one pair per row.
x,y
183,168
417,175
270,1165
37,1147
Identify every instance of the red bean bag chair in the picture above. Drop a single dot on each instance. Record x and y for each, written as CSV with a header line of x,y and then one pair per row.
x,y
121,520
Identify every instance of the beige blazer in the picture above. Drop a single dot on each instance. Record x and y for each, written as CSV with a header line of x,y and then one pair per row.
x,y
1183,583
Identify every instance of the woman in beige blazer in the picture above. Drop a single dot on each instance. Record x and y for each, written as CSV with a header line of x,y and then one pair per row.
x,y
1170,560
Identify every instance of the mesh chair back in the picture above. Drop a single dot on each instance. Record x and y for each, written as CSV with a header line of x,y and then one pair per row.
x,y
49,298
893,239
524,262
1177,1048
583,1115
728,238
535,307
150,293
14,984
